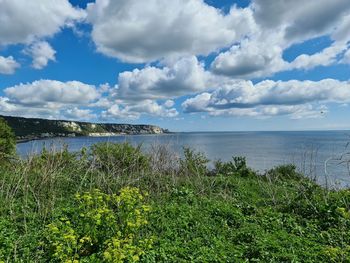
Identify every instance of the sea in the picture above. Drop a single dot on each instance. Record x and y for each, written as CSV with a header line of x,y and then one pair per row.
x,y
320,155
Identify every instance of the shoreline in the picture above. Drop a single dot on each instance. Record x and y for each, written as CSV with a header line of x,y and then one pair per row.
x,y
19,141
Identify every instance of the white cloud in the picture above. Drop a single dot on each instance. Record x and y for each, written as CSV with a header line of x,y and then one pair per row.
x,y
305,111
341,31
152,108
143,31
269,98
76,100
183,77
10,109
134,111
346,57
42,53
251,40
250,58
8,65
300,19
28,23
281,24
326,57
117,112
257,35
199,103
52,93
5,106
169,103
261,112
24,21
79,114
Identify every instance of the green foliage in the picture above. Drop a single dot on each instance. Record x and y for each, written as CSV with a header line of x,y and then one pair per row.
x,y
100,227
238,166
193,163
29,128
7,238
231,214
7,140
284,171
119,158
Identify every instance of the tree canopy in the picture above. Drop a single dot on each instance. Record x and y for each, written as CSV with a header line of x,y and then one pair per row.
x,y
7,140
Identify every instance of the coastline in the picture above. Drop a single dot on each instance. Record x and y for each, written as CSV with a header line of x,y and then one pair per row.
x,y
99,135
29,129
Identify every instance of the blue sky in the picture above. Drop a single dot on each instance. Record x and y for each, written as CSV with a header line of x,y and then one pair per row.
x,y
186,65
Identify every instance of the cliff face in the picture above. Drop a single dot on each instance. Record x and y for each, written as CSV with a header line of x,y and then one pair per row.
x,y
33,128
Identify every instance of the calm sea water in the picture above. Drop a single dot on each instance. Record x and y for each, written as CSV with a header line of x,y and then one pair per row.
x,y
309,150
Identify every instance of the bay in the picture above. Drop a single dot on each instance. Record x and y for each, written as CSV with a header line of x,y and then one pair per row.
x,y
322,155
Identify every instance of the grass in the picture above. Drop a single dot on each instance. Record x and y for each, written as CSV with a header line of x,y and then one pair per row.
x,y
229,214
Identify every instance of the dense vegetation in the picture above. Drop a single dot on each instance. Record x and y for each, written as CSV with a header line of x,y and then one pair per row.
x,y
114,203
34,128
7,140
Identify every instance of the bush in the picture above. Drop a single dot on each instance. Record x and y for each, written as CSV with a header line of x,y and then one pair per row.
x,y
8,238
100,228
238,166
7,140
221,218
120,158
194,163
287,171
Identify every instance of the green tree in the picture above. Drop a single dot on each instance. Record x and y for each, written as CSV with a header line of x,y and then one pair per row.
x,y
7,140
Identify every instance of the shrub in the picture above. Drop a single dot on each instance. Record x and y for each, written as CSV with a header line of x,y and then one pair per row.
x,y
59,157
8,238
287,171
119,158
336,254
329,209
238,166
100,227
194,163
7,140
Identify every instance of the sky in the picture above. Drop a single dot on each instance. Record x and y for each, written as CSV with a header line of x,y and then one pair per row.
x,y
185,65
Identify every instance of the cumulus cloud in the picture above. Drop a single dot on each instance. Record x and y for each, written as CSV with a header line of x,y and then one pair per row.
x,y
152,108
169,103
24,21
185,76
28,23
300,19
341,30
249,59
77,101
143,31
8,65
305,111
326,57
248,43
346,57
79,114
42,53
281,24
117,112
269,98
11,109
134,111
256,36
201,103
7,107
52,93
263,112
